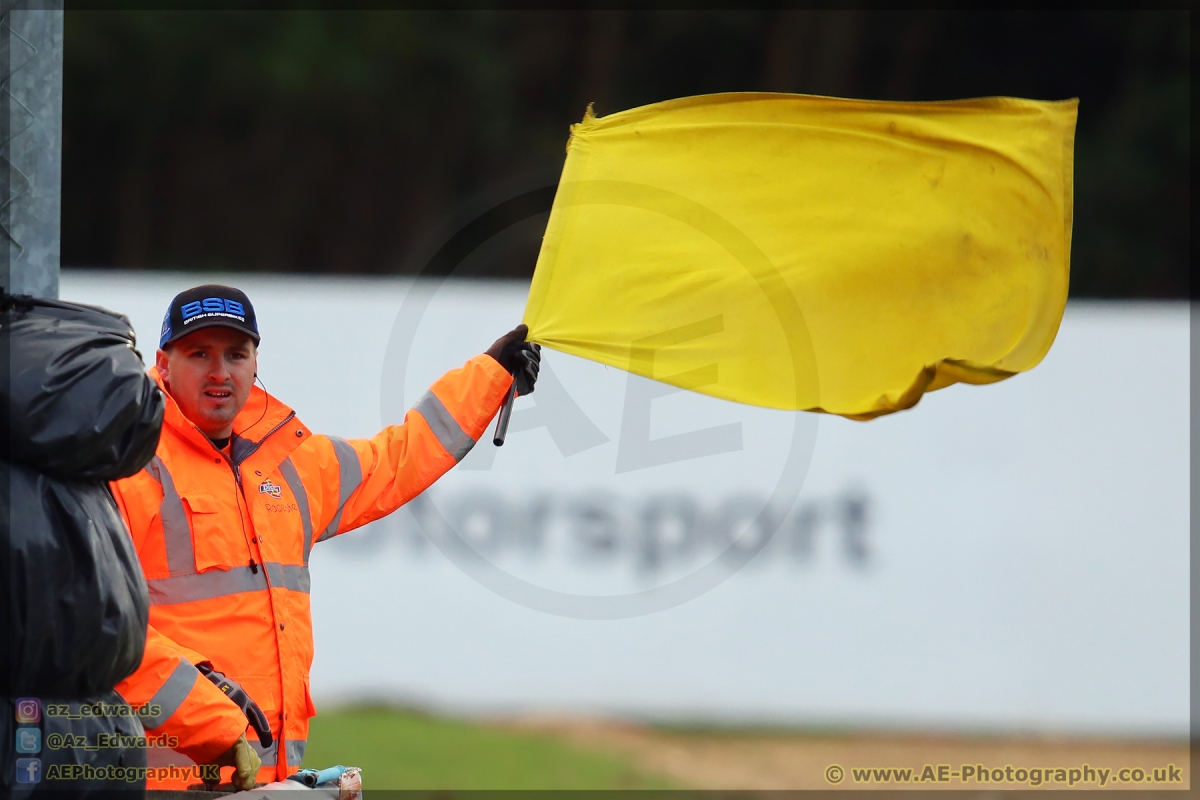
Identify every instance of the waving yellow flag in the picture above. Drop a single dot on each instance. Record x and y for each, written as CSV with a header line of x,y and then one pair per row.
x,y
811,253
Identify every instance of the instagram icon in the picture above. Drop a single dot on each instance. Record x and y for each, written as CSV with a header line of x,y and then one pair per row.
x,y
29,709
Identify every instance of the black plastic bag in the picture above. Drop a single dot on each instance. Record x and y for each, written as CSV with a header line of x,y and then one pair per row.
x,y
76,395
78,601
78,410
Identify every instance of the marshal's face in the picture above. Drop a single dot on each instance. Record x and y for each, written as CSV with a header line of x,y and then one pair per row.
x,y
209,374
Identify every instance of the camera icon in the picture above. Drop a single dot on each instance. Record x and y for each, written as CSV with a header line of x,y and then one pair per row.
x,y
29,709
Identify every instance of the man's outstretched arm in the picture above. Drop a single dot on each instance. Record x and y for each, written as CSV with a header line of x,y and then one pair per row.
x,y
362,480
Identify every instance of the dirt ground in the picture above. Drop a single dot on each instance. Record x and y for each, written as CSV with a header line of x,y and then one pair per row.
x,y
735,760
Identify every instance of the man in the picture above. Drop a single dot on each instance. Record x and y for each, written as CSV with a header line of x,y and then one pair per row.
x,y
224,518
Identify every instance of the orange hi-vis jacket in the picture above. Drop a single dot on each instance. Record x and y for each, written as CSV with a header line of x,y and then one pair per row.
x,y
224,541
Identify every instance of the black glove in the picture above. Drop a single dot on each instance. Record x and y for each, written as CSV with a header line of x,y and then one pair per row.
x,y
255,715
522,359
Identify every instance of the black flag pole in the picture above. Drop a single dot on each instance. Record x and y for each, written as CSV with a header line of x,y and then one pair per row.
x,y
505,414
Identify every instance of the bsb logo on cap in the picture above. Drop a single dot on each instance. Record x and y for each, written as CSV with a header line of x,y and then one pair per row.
x,y
213,305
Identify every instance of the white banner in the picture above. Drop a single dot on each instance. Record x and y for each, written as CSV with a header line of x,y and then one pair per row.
x,y
1000,558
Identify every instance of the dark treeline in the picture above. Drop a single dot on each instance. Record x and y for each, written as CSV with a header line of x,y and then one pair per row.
x,y
343,141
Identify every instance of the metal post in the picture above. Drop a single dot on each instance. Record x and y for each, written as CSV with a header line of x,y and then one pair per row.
x,y
31,85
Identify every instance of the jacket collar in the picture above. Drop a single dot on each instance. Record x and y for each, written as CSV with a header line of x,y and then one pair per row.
x,y
262,414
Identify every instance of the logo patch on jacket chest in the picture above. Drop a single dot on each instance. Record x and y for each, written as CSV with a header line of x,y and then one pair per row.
x,y
266,487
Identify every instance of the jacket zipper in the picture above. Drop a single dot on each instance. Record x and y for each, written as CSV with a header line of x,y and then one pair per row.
x,y
291,415
237,476
237,473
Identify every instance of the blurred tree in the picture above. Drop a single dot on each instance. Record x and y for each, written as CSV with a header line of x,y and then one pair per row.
x,y
341,141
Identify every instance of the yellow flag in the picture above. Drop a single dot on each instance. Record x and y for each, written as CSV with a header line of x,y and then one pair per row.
x,y
811,253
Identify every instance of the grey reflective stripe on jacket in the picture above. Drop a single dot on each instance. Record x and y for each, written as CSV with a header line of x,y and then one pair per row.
x,y
349,477
445,427
268,755
177,534
170,696
224,582
289,576
295,751
292,478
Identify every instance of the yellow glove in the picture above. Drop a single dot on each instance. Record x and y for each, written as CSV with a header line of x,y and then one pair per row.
x,y
244,760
